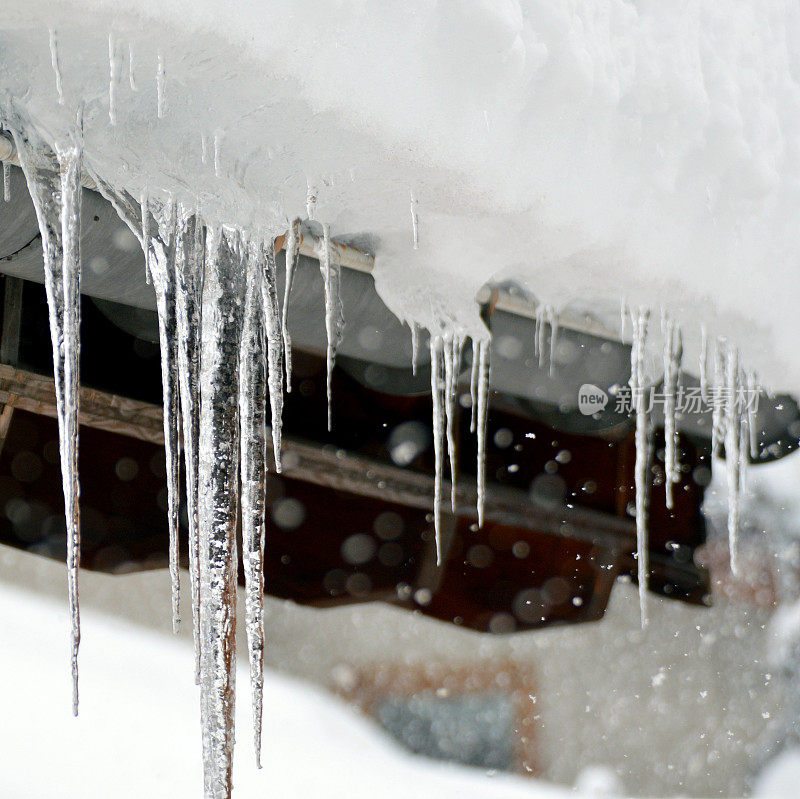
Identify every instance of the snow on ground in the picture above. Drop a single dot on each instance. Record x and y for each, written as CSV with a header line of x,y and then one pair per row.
x,y
590,149
137,734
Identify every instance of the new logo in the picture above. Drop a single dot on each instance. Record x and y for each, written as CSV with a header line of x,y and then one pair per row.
x,y
591,399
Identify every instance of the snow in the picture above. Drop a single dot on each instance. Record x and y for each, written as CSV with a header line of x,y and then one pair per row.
x,y
588,149
138,713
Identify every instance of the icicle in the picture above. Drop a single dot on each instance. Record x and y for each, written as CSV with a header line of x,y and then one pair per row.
x,y
222,317
414,221
752,422
54,183
311,200
161,87
744,441
414,347
732,452
217,150
703,363
334,318
131,69
543,312
71,199
639,322
6,182
189,266
292,258
113,79
161,262
482,423
252,404
144,203
438,379
275,345
473,386
673,353
451,350
56,62
553,340
718,406
623,316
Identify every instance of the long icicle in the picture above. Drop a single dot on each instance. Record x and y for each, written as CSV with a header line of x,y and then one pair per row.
x,y
732,452
160,258
292,257
189,265
414,347
484,372
718,399
218,462
275,345
640,321
704,363
54,183
252,413
452,350
673,353
437,346
334,318
473,387
71,196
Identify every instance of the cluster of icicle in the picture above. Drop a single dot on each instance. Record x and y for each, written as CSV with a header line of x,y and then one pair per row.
x,y
734,427
225,351
447,351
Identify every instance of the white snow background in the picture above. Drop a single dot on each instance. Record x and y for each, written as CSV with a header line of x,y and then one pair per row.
x,y
138,732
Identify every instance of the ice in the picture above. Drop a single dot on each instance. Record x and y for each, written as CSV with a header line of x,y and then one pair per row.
x,y
54,182
414,347
623,317
334,317
639,322
265,260
718,417
473,386
131,69
218,462
160,249
484,374
6,182
753,390
217,152
189,265
415,220
161,87
55,61
438,389
292,258
311,200
113,78
703,363
733,463
69,157
673,353
554,323
452,361
252,404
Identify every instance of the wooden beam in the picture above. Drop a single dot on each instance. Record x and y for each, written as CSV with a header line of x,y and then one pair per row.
x,y
335,468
